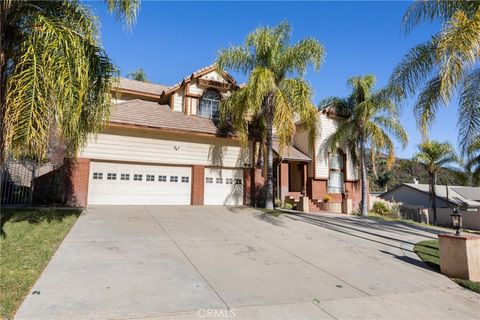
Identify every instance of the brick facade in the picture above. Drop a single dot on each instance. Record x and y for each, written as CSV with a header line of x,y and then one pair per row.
x,y
77,174
283,179
317,189
257,181
247,186
198,185
355,192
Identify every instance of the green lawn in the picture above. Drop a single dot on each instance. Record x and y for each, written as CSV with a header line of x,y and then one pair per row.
x,y
429,253
28,240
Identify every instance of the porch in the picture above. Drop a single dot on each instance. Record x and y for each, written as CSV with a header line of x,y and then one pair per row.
x,y
293,184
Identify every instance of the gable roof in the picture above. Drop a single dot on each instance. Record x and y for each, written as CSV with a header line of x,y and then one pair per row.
x,y
127,85
457,195
290,153
471,193
200,72
153,115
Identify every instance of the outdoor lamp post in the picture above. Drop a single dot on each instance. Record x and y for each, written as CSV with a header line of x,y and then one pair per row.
x,y
457,221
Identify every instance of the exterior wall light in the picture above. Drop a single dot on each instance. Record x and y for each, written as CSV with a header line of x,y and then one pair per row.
x,y
457,221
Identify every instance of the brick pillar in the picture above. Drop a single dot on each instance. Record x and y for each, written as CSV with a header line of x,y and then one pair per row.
x,y
248,181
283,180
77,173
198,185
304,179
257,183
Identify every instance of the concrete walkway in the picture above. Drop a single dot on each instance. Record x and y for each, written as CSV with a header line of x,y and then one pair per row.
x,y
167,262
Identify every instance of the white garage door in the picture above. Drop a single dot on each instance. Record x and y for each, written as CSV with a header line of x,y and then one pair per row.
x,y
223,187
120,183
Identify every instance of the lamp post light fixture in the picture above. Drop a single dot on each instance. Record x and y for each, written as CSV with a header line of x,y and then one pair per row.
x,y
457,221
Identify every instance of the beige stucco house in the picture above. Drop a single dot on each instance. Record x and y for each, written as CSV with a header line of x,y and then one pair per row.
x,y
162,146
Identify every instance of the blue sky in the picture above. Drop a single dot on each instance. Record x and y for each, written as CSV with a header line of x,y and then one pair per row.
x,y
172,39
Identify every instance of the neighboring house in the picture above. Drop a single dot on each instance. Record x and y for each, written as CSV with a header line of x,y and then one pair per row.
x,y
162,146
447,197
466,199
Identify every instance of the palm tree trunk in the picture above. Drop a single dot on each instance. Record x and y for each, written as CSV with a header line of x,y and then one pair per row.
x,y
269,182
433,181
363,169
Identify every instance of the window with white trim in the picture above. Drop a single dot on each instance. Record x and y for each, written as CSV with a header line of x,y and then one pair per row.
x,y
208,180
185,179
111,176
97,176
173,178
238,181
124,176
150,177
219,180
162,178
137,177
228,181
209,105
335,178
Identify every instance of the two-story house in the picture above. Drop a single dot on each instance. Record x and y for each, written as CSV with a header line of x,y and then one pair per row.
x,y
162,146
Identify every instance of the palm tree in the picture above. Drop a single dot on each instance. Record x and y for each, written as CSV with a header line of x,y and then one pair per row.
x,y
434,156
55,78
445,64
384,177
370,116
138,75
275,94
473,160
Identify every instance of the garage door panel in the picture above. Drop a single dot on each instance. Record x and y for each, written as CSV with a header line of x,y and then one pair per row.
x,y
223,186
135,184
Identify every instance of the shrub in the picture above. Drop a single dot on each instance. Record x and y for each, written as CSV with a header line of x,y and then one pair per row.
x,y
327,198
380,208
386,208
278,203
288,206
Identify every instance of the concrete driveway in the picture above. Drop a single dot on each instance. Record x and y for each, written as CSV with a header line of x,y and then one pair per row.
x,y
167,262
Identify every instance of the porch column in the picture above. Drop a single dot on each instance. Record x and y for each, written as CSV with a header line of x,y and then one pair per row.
x,y
283,180
304,178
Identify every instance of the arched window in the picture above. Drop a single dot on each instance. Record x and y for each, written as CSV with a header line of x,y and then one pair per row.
x,y
209,105
337,167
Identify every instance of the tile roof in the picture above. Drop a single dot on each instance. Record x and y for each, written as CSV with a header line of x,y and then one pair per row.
x,y
290,153
141,86
195,74
151,114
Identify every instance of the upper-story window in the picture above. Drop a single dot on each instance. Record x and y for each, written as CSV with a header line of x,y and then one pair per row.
x,y
337,168
209,105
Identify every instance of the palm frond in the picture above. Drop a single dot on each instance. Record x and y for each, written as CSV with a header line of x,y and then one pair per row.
x,y
60,83
298,94
393,126
469,110
297,57
427,104
415,67
428,11
124,10
435,155
236,58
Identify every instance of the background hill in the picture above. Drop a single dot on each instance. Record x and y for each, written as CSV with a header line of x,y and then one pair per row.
x,y
405,171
